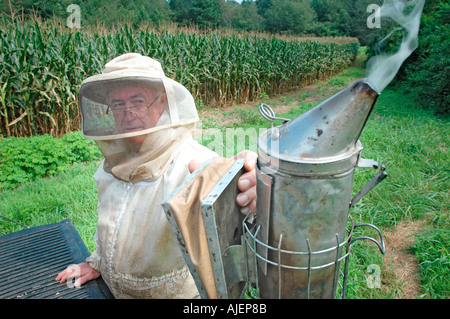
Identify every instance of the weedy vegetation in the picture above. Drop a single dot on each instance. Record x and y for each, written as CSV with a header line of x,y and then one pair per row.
x,y
45,179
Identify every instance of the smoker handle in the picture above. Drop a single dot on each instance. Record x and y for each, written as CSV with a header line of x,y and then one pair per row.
x,y
380,244
382,174
267,112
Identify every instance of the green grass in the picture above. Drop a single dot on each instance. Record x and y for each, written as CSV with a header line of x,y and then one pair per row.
x,y
71,194
408,139
432,250
413,145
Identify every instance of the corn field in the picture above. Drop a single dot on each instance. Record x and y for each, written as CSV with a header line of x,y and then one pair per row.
x,y
42,65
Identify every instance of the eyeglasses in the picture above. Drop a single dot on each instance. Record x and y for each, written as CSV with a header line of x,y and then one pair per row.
x,y
138,107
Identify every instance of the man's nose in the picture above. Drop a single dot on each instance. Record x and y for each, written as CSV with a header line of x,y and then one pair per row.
x,y
130,113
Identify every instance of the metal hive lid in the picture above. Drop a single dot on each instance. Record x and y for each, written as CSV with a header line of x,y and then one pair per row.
x,y
30,259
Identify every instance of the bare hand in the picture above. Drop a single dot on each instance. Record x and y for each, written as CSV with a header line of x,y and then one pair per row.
x,y
82,272
246,183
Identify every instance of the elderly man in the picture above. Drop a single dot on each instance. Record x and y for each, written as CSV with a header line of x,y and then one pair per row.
x,y
142,122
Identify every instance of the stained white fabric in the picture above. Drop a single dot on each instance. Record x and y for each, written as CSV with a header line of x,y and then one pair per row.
x,y
143,124
136,252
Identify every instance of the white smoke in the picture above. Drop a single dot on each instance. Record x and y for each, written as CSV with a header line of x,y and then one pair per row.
x,y
383,68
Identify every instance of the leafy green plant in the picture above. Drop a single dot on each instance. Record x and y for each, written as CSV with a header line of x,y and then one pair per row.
x,y
24,159
338,81
249,116
429,73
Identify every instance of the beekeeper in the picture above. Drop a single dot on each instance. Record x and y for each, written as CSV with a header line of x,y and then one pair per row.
x,y
142,122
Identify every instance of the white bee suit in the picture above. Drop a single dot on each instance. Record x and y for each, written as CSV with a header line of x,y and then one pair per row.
x,y
136,253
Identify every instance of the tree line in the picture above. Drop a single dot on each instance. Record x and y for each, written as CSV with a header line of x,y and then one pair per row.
x,y
296,17
427,68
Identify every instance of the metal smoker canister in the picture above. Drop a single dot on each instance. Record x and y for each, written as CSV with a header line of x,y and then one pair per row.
x,y
304,178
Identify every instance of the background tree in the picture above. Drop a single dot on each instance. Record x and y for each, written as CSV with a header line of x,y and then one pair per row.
x,y
181,10
201,13
242,16
289,16
427,70
263,6
42,8
352,21
155,12
330,14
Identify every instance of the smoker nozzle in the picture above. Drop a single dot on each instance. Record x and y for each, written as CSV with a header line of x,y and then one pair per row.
x,y
330,129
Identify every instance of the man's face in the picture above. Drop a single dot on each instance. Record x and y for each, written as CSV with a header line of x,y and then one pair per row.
x,y
136,109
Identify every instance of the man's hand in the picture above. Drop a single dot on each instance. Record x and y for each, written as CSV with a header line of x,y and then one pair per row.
x,y
84,272
246,183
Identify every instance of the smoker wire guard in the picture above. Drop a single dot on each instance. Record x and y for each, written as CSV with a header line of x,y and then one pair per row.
x,y
235,266
252,241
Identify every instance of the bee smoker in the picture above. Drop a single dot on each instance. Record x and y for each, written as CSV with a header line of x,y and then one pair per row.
x,y
295,245
305,172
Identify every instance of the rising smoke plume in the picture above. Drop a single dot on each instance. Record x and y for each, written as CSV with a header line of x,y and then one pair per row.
x,y
383,68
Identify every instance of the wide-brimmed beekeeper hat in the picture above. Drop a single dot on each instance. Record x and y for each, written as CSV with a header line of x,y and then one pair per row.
x,y
131,70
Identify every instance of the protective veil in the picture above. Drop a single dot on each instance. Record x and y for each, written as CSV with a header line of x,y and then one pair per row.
x,y
143,124
136,115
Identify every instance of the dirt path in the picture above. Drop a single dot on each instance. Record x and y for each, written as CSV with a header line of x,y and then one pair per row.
x,y
400,260
307,94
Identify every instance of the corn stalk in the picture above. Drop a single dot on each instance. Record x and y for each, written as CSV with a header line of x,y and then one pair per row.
x,y
43,64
